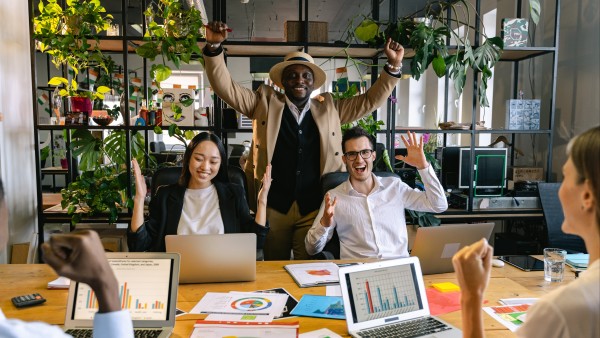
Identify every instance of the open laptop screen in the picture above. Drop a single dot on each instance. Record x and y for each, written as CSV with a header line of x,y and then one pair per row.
x,y
144,289
383,292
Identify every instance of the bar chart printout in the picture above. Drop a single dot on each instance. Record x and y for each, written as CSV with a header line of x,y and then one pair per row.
x,y
384,292
143,289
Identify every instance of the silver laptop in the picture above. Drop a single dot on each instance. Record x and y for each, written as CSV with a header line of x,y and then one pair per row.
x,y
215,258
148,288
435,246
388,299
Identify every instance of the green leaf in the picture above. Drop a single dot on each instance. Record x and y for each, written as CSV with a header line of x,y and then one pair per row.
x,y
367,30
158,130
187,102
535,10
189,134
148,50
439,65
57,80
161,73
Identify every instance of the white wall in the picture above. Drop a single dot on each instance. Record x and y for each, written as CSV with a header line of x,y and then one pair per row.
x,y
17,167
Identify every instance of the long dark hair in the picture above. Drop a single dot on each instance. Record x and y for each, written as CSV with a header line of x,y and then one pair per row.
x,y
222,176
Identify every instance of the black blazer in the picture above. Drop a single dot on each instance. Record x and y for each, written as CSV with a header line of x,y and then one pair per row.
x,y
165,211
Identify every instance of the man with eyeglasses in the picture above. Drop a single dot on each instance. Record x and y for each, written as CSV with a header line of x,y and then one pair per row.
x,y
368,211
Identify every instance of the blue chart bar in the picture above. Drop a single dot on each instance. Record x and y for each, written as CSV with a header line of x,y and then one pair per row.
x,y
385,303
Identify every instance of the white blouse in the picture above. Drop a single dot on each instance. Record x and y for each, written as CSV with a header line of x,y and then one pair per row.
x,y
201,214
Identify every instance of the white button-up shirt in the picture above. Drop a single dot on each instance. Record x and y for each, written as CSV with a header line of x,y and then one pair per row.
x,y
374,225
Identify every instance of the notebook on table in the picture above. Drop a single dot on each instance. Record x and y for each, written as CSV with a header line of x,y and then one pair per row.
x,y
435,246
147,288
215,258
388,299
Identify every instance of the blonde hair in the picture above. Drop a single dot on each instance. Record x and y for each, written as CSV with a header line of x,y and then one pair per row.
x,y
584,151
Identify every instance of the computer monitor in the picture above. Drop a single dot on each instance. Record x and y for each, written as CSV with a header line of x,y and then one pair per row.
x,y
489,168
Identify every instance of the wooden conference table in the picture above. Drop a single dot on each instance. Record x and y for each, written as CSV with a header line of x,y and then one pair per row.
x,y
21,279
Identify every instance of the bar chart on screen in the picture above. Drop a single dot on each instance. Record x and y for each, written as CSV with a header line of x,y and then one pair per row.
x,y
146,298
384,292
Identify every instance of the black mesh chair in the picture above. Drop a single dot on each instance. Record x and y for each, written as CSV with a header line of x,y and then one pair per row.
x,y
328,182
553,216
164,176
237,176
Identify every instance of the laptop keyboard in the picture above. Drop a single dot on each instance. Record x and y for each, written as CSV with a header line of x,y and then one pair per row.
x,y
412,328
85,333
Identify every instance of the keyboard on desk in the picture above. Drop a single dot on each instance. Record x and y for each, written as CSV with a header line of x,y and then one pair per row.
x,y
410,328
138,333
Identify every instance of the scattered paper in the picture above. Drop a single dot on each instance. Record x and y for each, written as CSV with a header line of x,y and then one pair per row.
x,y
59,283
322,333
511,316
517,301
241,306
442,302
333,290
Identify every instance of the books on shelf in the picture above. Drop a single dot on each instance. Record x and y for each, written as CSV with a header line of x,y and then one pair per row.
x,y
578,261
313,274
218,329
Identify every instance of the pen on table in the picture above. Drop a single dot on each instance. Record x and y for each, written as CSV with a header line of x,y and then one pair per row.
x,y
228,29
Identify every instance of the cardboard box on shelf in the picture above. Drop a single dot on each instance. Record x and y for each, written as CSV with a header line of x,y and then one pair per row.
x,y
317,31
520,174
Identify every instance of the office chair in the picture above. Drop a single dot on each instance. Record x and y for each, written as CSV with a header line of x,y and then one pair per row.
x,y
328,182
237,176
170,175
553,217
164,176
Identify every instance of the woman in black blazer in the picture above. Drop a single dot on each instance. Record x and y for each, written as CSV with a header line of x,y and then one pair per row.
x,y
202,202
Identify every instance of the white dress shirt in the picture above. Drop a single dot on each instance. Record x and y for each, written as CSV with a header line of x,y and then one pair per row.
x,y
298,114
201,214
106,325
374,226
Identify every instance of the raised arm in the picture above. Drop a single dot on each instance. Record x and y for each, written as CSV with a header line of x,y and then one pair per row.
x,y
473,265
261,208
137,217
321,231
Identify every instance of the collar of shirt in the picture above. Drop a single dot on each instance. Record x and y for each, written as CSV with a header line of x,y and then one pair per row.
x,y
299,115
352,192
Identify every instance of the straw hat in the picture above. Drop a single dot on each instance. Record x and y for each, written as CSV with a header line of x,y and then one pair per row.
x,y
298,58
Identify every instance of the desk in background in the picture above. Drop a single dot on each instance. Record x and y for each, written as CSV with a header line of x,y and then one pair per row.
x,y
20,279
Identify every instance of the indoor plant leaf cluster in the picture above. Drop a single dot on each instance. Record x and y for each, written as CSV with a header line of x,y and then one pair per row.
x,y
172,31
427,36
71,89
65,33
102,187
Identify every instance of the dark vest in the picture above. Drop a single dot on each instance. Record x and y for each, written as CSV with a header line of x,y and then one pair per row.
x,y
296,165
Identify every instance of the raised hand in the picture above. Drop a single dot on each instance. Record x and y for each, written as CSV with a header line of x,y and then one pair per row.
x,y
80,257
473,264
327,218
266,185
414,151
140,183
394,52
216,32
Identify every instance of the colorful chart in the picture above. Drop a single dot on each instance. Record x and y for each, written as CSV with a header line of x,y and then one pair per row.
x,y
251,304
322,272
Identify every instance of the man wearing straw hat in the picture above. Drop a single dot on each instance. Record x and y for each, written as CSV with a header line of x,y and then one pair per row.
x,y
301,137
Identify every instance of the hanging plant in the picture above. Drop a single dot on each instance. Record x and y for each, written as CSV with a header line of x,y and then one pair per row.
x,y
427,36
64,33
173,32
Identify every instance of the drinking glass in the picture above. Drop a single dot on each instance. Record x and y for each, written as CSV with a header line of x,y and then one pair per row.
x,y
554,264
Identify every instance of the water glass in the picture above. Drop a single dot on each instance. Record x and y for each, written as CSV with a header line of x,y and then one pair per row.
x,y
554,264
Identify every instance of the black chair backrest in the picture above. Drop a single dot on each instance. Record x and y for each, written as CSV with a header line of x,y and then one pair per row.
x,y
553,215
157,146
328,182
237,176
170,175
164,176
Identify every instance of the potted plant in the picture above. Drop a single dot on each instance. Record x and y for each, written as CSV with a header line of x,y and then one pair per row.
x,y
80,101
64,33
102,185
172,31
428,34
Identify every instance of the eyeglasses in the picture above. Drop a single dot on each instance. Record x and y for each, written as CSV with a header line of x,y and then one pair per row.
x,y
352,155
